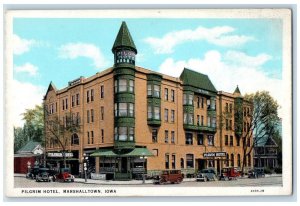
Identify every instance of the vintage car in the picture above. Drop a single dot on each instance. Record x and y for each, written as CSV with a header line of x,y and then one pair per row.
x,y
256,173
207,175
43,175
229,173
168,176
33,172
64,175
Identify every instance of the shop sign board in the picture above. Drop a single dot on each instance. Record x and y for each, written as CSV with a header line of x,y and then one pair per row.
x,y
96,176
214,154
59,154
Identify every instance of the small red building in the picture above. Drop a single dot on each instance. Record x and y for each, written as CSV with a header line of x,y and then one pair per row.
x,y
27,157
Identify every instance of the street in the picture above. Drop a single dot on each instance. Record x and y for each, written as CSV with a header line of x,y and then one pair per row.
x,y
273,180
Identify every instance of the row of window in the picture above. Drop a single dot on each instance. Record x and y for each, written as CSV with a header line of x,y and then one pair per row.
x,y
188,118
228,107
75,100
90,136
167,95
189,140
155,136
188,99
189,161
52,108
167,115
228,124
90,94
246,111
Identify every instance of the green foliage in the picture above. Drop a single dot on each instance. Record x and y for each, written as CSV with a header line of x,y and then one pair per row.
x,y
33,128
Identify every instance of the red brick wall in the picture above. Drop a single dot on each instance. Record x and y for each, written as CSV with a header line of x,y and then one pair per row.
x,y
20,164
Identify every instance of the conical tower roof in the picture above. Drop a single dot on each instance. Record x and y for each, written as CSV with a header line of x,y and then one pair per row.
x,y
124,39
237,90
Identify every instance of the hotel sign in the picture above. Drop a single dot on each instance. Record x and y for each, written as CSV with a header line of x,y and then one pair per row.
x,y
214,154
76,81
59,154
203,91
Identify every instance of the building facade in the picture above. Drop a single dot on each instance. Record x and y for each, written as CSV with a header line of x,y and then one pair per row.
x,y
133,120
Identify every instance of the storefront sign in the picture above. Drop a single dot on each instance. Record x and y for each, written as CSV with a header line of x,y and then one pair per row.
x,y
96,176
59,154
214,154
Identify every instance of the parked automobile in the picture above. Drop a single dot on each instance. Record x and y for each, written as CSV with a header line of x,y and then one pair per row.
x,y
33,172
229,173
43,175
64,175
256,173
168,176
207,175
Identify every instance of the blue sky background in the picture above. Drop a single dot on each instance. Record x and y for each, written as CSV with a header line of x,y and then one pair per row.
x,y
258,58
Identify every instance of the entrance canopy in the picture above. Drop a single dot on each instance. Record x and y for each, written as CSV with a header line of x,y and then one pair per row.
x,y
137,152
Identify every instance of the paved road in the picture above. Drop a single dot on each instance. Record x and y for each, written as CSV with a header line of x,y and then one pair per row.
x,y
22,182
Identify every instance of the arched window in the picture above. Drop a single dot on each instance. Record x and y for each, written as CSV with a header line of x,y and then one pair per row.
x,y
74,139
182,163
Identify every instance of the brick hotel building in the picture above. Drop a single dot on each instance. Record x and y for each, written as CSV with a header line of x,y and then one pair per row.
x,y
134,120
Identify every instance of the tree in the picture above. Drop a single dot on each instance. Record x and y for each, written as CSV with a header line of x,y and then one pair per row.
x,y
59,131
262,121
32,129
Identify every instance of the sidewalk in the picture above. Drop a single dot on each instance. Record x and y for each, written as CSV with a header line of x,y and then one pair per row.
x,y
133,182
129,182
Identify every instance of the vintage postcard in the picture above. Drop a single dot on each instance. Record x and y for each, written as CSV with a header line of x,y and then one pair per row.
x,y
186,102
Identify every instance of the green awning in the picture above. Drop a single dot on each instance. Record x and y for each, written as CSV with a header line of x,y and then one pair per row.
x,y
139,152
110,153
104,153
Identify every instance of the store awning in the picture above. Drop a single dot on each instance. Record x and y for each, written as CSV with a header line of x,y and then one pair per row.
x,y
139,152
104,153
110,153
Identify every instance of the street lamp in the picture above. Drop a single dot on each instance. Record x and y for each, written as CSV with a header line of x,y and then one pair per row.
x,y
85,158
143,157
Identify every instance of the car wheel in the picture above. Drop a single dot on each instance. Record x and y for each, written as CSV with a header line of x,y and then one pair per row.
x,y
178,180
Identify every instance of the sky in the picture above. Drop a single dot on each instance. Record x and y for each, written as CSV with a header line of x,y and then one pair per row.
x,y
243,52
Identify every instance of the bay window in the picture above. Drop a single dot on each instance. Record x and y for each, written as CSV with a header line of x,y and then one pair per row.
x,y
188,99
124,85
153,90
124,133
124,110
188,118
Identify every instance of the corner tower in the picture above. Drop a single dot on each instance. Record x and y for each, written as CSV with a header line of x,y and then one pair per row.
x,y
124,51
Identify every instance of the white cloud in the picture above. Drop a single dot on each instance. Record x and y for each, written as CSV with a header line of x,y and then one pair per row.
x,y
217,35
27,68
241,59
225,74
24,96
75,50
20,45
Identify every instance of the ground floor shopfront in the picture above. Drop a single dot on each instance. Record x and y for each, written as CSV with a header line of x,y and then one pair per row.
x,y
108,163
